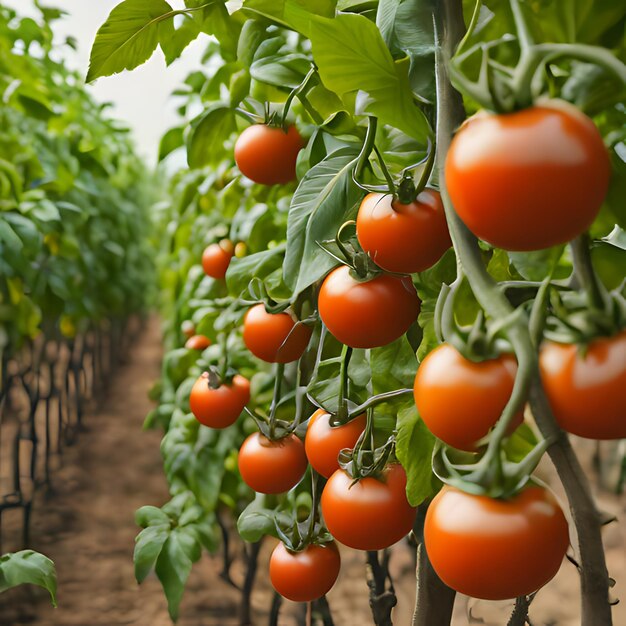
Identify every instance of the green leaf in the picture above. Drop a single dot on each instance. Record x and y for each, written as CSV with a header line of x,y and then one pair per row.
x,y
393,366
208,135
129,36
296,14
242,271
520,443
352,57
414,448
148,546
172,140
28,567
179,39
324,199
281,70
173,565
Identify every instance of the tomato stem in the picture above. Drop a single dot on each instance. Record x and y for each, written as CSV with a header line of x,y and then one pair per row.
x,y
279,372
342,410
300,90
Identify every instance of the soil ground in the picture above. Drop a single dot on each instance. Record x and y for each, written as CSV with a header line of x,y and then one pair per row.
x,y
85,524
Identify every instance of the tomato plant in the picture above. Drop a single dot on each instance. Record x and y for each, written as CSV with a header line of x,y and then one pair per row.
x,y
496,549
306,575
272,466
585,386
369,313
514,179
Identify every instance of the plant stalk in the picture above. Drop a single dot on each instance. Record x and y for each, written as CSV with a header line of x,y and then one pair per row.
x,y
596,610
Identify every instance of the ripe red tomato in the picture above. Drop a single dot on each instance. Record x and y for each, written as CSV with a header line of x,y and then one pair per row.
x,y
367,314
272,337
267,155
219,408
495,549
307,575
197,342
460,400
216,259
272,466
323,443
530,179
587,392
403,238
371,514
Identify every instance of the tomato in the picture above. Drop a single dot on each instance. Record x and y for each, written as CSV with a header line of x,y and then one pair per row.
x,y
460,400
197,342
403,238
367,314
587,392
495,549
188,328
323,443
371,514
307,575
219,408
267,155
274,337
530,179
272,466
216,259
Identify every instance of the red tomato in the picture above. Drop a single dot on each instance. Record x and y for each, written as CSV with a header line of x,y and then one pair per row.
x,y
219,408
403,238
197,342
323,443
267,155
495,549
272,337
530,179
272,466
460,400
216,259
371,514
307,575
367,314
587,392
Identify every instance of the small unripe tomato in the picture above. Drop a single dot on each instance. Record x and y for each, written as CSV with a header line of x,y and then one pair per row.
x,y
216,259
306,575
219,408
267,155
188,328
197,342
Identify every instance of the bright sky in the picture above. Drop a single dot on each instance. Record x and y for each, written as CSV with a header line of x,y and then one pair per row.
x,y
141,97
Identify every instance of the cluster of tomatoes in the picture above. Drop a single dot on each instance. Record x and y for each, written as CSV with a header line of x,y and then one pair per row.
x,y
545,165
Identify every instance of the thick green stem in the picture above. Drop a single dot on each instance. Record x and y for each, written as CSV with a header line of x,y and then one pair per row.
x,y
596,610
585,274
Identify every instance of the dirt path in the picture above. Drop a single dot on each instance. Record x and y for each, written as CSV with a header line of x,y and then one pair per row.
x,y
87,527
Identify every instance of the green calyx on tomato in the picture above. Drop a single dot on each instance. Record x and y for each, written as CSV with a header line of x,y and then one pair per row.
x,y
495,549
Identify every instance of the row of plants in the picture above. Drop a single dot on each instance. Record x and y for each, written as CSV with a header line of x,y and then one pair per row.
x,y
379,318
75,258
